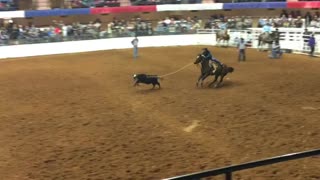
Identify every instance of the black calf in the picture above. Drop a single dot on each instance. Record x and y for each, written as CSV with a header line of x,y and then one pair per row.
x,y
146,79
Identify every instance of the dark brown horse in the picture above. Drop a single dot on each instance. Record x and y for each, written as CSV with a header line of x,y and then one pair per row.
x,y
206,70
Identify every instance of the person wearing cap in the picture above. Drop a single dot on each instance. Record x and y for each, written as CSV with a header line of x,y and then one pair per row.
x,y
135,42
207,54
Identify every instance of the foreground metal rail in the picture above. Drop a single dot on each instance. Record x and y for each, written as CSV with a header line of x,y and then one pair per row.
x,y
230,169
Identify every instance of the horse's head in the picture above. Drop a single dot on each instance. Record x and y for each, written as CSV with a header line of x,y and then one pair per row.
x,y
199,59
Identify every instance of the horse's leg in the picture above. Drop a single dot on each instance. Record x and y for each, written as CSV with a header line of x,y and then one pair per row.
x,y
215,80
200,77
259,44
203,78
221,79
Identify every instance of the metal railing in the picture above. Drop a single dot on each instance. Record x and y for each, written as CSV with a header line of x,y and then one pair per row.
x,y
230,169
43,37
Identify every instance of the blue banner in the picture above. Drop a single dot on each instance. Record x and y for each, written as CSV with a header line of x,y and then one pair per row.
x,y
255,5
57,12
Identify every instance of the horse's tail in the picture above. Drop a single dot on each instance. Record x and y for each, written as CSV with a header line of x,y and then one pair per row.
x,y
160,78
230,69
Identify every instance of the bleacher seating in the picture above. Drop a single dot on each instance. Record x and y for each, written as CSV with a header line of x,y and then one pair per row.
x,y
8,5
94,3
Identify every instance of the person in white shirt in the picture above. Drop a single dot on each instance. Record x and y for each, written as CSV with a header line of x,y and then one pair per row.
x,y
242,50
135,42
64,31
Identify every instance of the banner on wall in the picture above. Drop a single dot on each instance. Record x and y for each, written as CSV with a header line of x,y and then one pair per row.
x,y
123,9
298,5
189,7
12,14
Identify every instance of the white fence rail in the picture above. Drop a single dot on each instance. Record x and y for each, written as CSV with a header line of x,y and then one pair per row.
x,y
290,38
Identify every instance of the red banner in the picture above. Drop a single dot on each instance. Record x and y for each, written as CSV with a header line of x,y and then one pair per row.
x,y
313,4
123,9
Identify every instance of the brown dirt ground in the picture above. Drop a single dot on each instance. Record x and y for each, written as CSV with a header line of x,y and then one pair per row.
x,y
77,116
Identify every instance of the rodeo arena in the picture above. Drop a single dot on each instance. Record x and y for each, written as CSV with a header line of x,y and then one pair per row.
x,y
159,90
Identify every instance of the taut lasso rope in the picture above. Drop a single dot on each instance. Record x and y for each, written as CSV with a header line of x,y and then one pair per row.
x,y
176,70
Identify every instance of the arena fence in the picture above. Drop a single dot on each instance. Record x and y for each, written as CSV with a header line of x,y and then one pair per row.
x,y
293,39
230,169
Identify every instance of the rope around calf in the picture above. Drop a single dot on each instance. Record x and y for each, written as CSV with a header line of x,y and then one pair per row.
x,y
174,72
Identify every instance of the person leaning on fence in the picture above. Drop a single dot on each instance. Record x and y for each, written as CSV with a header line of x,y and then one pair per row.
x,y
134,42
242,50
311,44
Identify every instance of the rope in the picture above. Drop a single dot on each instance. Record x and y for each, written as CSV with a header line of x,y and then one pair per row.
x,y
174,72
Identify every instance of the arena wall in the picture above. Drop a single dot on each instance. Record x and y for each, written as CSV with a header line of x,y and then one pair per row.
x,y
103,44
155,12
292,39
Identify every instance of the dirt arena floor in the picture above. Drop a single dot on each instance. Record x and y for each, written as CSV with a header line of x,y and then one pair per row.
x,y
78,117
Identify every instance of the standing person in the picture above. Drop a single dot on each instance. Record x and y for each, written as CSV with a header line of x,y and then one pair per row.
x,y
242,50
312,43
134,42
276,52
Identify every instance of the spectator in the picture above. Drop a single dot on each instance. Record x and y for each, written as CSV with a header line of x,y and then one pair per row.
x,y
312,43
284,14
261,22
97,24
308,18
314,22
64,31
167,21
298,22
4,38
298,13
293,14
